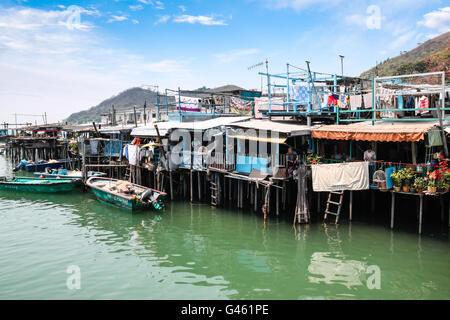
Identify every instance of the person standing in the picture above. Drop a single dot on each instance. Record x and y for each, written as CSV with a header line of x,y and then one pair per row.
x,y
370,155
291,159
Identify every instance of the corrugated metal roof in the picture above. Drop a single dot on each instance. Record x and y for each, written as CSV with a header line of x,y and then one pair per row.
x,y
292,129
164,127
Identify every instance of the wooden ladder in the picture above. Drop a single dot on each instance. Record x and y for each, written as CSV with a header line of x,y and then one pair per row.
x,y
331,202
214,190
127,174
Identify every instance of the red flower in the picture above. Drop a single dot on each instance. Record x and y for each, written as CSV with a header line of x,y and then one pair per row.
x,y
314,161
441,156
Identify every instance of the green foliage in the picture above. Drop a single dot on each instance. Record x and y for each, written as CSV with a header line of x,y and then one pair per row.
x,y
312,158
402,177
419,183
433,55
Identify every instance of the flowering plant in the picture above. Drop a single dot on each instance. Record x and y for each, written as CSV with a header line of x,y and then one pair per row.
x,y
397,176
312,158
419,183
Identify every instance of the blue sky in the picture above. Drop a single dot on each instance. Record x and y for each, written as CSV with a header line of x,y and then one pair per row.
x,y
52,61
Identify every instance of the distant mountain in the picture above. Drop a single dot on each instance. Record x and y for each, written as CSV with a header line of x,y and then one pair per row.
x,y
123,101
131,97
432,55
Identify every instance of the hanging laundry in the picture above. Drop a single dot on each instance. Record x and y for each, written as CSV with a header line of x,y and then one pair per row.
x,y
368,101
400,101
355,101
189,104
133,154
94,145
340,176
241,106
343,101
333,100
410,102
299,94
424,103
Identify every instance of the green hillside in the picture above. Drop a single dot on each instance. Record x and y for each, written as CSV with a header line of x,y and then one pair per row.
x,y
123,101
432,55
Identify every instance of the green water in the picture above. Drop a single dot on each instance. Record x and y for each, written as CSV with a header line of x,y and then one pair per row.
x,y
196,252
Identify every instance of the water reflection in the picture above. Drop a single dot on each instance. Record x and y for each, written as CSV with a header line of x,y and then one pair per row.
x,y
194,251
333,267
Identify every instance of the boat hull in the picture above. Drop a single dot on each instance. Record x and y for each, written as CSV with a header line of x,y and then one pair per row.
x,y
45,186
66,176
118,201
43,166
124,202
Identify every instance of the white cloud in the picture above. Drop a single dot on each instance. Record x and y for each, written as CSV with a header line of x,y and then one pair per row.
x,y
48,67
438,20
356,19
298,4
159,5
400,41
33,19
117,18
204,20
162,19
136,7
134,21
146,1
166,66
234,55
182,8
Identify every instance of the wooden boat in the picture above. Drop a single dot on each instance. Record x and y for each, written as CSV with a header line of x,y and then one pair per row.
x,y
41,165
67,174
126,195
27,184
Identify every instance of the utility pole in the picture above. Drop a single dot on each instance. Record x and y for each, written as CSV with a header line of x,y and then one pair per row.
x,y
267,72
145,114
342,65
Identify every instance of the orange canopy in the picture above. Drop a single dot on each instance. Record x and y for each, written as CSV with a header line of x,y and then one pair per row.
x,y
388,132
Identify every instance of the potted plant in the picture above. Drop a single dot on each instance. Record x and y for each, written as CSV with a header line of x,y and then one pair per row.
x,y
407,176
419,184
433,179
312,158
398,178
431,186
442,185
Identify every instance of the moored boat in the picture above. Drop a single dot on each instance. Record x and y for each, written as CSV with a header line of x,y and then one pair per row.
x,y
126,195
41,165
67,174
27,184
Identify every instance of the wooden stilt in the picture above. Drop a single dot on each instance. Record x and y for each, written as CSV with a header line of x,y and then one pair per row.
x,y
278,201
393,209
420,214
255,203
191,183
171,185
449,213
318,201
199,185
351,206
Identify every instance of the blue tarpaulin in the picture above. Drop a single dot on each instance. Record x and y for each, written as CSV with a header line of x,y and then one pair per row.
x,y
113,148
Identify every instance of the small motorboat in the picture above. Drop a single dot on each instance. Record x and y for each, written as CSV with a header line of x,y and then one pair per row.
x,y
41,165
27,184
67,174
126,195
